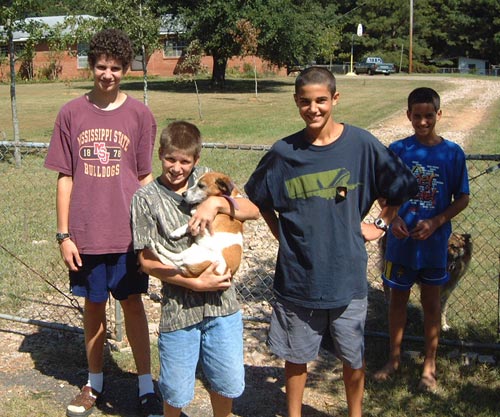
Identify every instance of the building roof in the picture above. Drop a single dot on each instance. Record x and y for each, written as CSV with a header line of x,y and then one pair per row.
x,y
48,21
169,25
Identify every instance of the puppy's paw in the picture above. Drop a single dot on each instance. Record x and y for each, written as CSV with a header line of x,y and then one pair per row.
x,y
178,233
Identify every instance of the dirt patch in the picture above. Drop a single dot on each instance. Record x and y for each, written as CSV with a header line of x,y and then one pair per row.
x,y
464,108
40,363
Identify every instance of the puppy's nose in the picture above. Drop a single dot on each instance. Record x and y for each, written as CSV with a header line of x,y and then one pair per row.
x,y
184,194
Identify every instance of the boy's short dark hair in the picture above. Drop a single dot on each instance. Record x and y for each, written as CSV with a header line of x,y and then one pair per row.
x,y
181,136
112,43
424,95
316,75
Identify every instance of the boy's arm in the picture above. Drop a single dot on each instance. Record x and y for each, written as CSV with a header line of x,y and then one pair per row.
x,y
145,179
426,228
69,251
207,281
388,214
272,221
242,209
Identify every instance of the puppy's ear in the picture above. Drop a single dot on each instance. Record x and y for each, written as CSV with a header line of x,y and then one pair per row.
x,y
225,185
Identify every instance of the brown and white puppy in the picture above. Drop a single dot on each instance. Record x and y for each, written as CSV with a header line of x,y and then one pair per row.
x,y
224,246
459,257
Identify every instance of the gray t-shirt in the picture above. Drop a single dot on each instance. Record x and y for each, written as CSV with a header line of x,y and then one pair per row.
x,y
157,211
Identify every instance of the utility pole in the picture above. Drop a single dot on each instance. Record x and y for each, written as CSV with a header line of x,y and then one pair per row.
x,y
359,32
410,53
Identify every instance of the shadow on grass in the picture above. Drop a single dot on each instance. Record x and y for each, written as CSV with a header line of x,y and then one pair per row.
x,y
61,355
232,86
264,395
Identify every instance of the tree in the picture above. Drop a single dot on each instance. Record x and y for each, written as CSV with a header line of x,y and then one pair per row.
x,y
247,37
26,55
190,66
329,43
212,22
64,7
292,31
468,28
12,18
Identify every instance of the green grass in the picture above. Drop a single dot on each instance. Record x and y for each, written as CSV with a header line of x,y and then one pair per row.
x,y
234,116
464,390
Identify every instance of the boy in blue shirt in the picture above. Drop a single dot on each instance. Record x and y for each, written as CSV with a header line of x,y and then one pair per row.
x,y
313,189
417,241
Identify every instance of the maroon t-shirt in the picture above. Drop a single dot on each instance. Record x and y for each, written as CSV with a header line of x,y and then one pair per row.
x,y
105,152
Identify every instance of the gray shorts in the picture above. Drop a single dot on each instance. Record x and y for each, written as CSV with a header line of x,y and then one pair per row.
x,y
296,332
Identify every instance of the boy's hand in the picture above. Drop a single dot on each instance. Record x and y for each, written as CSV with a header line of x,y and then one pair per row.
x,y
210,281
399,228
70,254
204,216
423,229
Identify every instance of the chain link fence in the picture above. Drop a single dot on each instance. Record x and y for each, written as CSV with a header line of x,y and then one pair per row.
x,y
34,284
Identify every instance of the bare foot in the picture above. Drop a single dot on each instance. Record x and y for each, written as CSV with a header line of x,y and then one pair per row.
x,y
386,372
428,383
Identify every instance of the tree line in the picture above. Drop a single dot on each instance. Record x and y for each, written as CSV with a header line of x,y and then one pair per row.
x,y
294,32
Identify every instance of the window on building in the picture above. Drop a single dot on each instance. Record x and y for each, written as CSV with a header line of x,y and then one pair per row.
x,y
136,64
19,48
173,48
82,59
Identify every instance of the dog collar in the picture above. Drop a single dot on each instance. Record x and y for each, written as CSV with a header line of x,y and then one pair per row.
x,y
231,201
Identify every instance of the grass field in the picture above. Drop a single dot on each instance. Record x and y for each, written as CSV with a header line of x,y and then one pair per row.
x,y
232,116
236,116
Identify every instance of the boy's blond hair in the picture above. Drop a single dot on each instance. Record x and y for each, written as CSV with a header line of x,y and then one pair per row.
x,y
181,136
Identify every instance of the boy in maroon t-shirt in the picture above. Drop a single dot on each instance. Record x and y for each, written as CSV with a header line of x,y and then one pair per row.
x,y
102,149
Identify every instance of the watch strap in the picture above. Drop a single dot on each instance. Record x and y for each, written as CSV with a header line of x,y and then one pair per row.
x,y
61,237
381,224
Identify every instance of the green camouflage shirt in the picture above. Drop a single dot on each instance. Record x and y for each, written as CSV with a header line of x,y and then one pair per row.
x,y
156,211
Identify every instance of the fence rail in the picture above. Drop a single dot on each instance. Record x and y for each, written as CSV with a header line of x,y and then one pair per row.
x,y
34,284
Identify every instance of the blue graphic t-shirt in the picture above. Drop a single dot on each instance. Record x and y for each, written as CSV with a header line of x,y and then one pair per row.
x,y
441,174
321,194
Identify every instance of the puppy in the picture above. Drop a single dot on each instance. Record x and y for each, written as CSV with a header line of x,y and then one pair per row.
x,y
224,246
459,257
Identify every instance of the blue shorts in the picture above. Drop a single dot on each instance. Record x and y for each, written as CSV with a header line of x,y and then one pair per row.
x,y
99,275
296,332
217,342
403,278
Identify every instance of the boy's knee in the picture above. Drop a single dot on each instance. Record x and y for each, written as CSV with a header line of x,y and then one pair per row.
x,y
133,304
94,308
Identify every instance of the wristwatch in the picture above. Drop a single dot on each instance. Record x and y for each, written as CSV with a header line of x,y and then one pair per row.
x,y
381,224
61,237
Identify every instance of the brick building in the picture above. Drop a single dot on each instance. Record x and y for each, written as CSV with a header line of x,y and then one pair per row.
x,y
72,64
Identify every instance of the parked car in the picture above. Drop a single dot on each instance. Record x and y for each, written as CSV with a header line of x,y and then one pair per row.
x,y
372,65
294,69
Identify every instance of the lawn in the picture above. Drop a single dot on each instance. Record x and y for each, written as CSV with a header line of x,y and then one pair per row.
x,y
232,116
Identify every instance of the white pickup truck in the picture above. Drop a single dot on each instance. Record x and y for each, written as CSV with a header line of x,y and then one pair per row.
x,y
372,65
